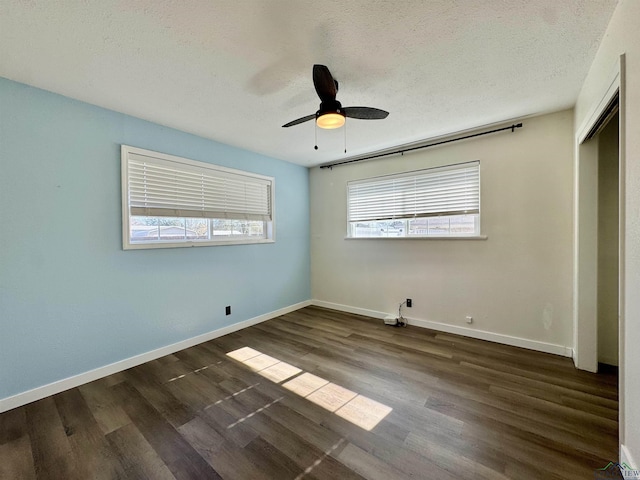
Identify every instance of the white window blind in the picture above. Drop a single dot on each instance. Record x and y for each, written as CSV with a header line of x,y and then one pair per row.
x,y
163,187
450,190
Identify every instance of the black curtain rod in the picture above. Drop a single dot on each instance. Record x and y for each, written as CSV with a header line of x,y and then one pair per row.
x,y
335,164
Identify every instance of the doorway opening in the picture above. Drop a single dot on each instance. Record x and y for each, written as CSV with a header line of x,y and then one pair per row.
x,y
598,243
608,243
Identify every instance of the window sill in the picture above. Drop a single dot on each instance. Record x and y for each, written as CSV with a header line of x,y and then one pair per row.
x,y
217,243
441,237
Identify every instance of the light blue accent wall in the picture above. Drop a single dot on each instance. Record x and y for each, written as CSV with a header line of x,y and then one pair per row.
x,y
71,300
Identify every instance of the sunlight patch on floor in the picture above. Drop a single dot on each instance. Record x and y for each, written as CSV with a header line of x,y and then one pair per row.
x,y
305,384
260,362
364,412
351,406
243,354
280,372
331,397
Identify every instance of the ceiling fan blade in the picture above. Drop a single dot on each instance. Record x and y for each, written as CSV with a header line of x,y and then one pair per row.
x,y
326,86
365,113
299,120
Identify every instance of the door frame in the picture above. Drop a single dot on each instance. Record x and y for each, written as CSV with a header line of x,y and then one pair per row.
x,y
585,324
585,283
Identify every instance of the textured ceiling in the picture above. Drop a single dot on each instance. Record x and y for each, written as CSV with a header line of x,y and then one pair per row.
x,y
236,70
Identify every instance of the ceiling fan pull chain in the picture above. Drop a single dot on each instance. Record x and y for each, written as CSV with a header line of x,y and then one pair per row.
x,y
345,135
315,130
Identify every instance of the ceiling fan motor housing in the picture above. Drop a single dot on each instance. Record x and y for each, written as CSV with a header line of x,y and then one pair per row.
x,y
330,106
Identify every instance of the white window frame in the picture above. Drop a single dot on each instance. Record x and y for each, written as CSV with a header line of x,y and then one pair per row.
x,y
189,165
402,213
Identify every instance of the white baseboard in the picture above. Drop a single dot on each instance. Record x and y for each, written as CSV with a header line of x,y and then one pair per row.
x,y
349,309
38,393
626,459
464,331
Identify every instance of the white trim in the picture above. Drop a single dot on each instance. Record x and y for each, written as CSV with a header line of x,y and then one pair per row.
x,y
625,457
495,337
613,85
426,237
203,243
464,331
622,232
349,309
584,325
53,388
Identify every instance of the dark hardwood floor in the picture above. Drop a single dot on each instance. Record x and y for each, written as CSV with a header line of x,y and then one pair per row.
x,y
401,403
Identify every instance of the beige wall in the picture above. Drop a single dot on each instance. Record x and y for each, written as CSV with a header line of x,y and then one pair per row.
x,y
515,283
608,244
623,37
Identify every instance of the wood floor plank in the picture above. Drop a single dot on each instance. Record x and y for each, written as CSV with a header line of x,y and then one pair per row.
x,y
560,414
523,453
489,419
233,463
195,391
367,465
271,461
93,456
489,416
313,432
160,397
13,425
202,437
610,412
567,387
313,462
52,454
386,449
519,470
458,465
460,408
109,415
138,458
183,461
16,460
229,426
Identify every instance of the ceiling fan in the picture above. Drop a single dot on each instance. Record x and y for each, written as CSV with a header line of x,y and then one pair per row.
x,y
331,113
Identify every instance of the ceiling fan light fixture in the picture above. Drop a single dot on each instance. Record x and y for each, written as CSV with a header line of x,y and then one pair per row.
x,y
331,115
330,120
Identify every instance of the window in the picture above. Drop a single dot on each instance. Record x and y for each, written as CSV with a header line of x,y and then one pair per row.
x,y
437,202
174,202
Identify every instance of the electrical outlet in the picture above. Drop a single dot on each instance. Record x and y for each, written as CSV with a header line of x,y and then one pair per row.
x,y
409,302
227,310
469,319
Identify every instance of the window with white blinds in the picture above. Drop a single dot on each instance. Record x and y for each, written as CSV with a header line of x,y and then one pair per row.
x,y
173,201
442,201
